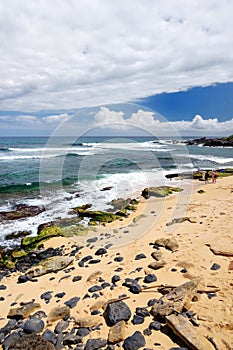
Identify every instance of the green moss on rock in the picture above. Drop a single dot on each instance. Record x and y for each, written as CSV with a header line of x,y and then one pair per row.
x,y
160,191
48,232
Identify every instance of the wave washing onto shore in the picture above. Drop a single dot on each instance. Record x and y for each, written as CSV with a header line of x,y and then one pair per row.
x,y
89,165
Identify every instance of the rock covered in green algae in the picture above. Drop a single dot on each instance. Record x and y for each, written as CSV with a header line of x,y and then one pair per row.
x,y
160,191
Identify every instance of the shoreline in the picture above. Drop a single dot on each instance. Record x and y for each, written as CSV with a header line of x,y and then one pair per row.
x,y
210,225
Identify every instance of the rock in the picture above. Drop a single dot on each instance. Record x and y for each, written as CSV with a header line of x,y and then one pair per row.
x,y
83,332
142,311
11,324
11,340
58,313
156,265
118,258
33,325
134,342
230,267
60,295
212,142
168,243
88,321
24,311
180,220
21,211
156,325
31,341
52,264
137,319
72,302
49,336
160,191
135,288
95,344
46,296
76,278
215,267
61,326
140,256
150,278
117,311
117,333
71,339
188,333
2,287
157,255
95,288
225,250
115,279
176,300
101,251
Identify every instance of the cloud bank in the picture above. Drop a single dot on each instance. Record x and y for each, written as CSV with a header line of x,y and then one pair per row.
x,y
70,54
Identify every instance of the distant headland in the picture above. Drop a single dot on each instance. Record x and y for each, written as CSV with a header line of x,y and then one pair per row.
x,y
212,142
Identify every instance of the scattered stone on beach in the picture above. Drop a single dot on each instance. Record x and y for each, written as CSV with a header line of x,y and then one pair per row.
x,y
52,264
23,311
101,251
117,311
94,276
175,300
57,313
49,336
95,344
71,339
33,325
76,278
155,265
225,250
168,243
117,333
160,191
88,321
46,296
157,255
188,333
140,256
134,342
230,267
180,220
30,341
61,326
72,302
150,278
215,267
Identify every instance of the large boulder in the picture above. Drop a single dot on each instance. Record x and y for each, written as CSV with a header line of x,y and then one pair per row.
x,y
52,264
117,311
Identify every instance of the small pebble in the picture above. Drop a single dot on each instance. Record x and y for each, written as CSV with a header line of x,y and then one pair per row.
x,y
215,267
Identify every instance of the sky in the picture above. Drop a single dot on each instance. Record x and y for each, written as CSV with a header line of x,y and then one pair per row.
x,y
171,57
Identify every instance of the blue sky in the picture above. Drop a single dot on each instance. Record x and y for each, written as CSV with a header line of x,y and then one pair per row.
x,y
57,57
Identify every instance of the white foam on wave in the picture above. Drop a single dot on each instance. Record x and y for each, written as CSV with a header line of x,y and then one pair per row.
x,y
211,158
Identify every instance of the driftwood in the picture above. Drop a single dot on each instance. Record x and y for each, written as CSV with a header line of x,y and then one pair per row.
x,y
179,298
190,335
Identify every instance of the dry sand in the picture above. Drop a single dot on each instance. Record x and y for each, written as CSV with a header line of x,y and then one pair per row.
x,y
212,215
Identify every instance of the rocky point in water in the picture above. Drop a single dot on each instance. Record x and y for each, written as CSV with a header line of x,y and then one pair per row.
x,y
212,142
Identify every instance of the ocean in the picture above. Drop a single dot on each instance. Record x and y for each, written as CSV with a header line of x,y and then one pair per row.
x,y
61,174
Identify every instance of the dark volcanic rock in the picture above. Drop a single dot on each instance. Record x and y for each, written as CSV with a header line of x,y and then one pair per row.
x,y
95,344
140,256
10,340
134,342
50,336
215,266
115,279
150,278
71,339
76,278
61,326
31,341
21,211
101,251
117,311
83,332
46,296
33,325
18,234
137,319
72,302
212,142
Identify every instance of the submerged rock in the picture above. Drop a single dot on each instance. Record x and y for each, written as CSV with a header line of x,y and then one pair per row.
x,y
21,211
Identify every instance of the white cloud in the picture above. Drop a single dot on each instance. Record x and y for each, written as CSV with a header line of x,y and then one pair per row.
x,y
70,54
27,119
159,126
53,119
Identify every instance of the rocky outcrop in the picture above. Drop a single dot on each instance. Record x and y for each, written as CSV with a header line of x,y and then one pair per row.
x,y
160,191
21,211
212,142
188,333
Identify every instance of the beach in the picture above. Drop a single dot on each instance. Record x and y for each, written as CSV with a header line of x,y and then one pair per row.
x,y
203,252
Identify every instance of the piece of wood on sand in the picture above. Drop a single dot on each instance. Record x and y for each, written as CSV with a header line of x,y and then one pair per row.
x,y
190,335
